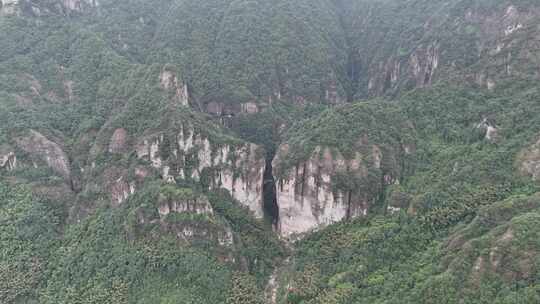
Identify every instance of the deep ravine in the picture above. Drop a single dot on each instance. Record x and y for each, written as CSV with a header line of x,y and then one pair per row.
x,y
270,204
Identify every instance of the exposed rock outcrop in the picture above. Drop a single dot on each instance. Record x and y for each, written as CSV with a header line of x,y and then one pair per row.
x,y
9,7
489,41
237,167
8,160
196,205
118,141
327,187
191,217
79,5
120,190
489,130
169,81
249,108
220,109
43,149
419,69
423,64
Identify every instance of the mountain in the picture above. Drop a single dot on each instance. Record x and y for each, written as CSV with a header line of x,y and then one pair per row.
x,y
247,151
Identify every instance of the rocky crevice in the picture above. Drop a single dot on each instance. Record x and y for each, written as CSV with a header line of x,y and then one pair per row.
x,y
270,203
350,72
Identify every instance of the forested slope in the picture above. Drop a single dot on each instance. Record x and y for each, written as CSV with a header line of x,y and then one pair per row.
x,y
328,151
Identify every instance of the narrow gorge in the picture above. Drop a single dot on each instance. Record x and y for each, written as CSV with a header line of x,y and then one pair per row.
x,y
270,203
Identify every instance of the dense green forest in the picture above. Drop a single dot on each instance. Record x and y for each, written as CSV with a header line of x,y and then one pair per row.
x,y
277,151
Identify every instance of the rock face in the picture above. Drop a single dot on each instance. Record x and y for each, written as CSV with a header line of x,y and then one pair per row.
x,y
196,205
305,196
170,82
490,35
529,161
8,7
120,190
118,141
490,130
236,167
249,108
41,148
79,5
327,188
423,64
191,218
220,109
8,159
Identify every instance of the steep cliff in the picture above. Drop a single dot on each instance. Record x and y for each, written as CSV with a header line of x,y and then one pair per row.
x,y
41,148
178,89
184,148
237,167
482,43
338,165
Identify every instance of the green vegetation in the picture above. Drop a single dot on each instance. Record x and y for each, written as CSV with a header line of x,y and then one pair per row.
x,y
454,239
464,224
28,234
396,260
458,169
343,129
111,257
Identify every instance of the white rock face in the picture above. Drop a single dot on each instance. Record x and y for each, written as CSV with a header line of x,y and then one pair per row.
x,y
237,168
121,190
512,28
491,131
306,194
9,7
8,161
118,141
490,84
246,186
393,210
249,108
169,81
39,146
79,5
512,20
424,63
199,205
